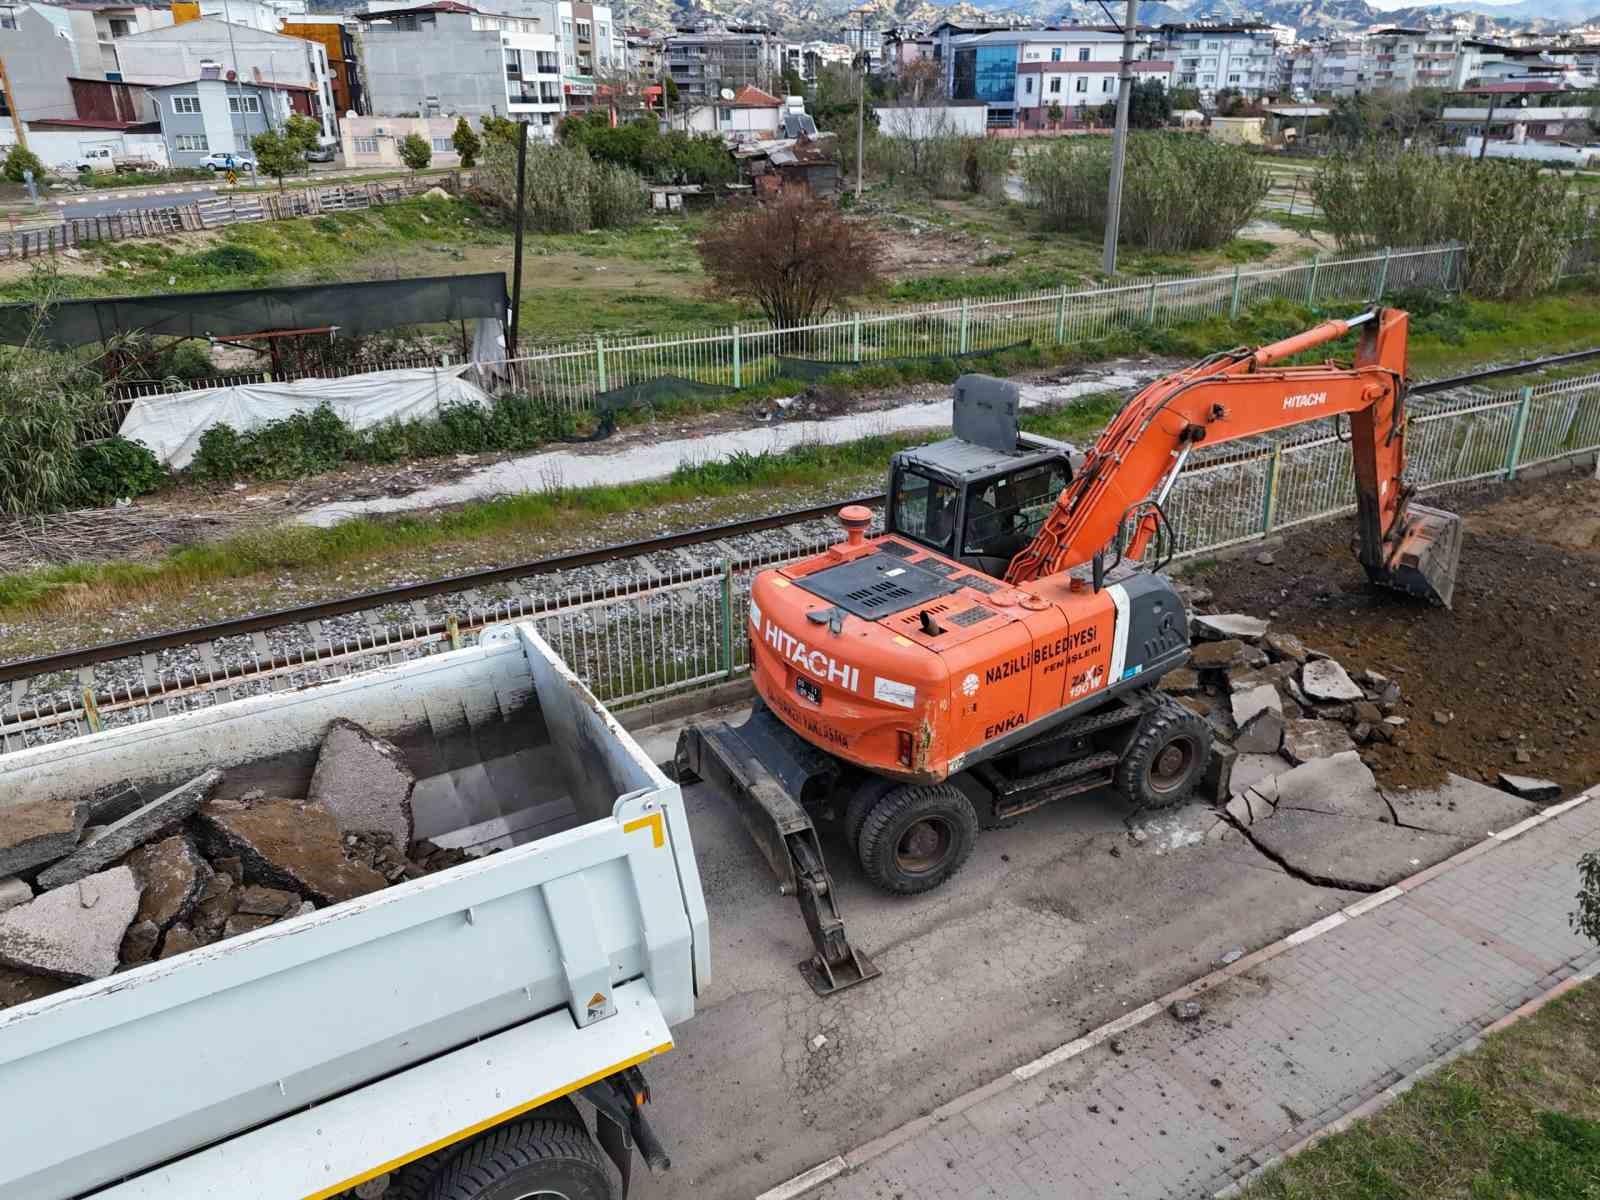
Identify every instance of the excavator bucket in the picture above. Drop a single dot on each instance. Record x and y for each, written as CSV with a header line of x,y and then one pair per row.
x,y
1425,554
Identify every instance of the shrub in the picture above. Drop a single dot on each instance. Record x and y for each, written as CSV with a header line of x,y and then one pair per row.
x,y
467,143
1516,220
567,191
115,469
19,160
415,151
796,257
46,400
941,163
1586,917
1178,193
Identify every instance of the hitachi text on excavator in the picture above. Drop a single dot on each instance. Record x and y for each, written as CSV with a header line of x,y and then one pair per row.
x,y
998,646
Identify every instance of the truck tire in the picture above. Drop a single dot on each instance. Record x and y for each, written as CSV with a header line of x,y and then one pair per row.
x,y
1165,758
523,1159
412,1181
917,836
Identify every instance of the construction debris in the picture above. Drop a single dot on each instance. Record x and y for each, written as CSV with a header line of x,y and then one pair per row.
x,y
34,834
365,783
1529,788
171,874
73,933
1327,680
13,892
1220,627
293,844
1309,739
133,831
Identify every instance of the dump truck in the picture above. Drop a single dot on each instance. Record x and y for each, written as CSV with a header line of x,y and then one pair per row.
x,y
998,646
434,1038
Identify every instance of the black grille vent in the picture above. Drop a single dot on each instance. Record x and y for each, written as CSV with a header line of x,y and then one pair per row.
x,y
971,616
898,549
942,568
979,584
885,594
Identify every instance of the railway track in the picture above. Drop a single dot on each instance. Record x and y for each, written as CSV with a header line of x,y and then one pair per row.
x,y
61,694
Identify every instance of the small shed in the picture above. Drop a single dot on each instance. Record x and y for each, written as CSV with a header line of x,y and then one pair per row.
x,y
809,162
1244,131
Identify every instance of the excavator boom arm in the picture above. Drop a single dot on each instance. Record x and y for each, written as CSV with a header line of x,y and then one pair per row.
x,y
1239,395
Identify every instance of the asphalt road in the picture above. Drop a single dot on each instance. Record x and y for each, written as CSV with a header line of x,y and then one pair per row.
x,y
97,207
1054,926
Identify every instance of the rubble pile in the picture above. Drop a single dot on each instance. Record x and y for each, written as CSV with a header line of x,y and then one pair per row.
x,y
116,879
1291,759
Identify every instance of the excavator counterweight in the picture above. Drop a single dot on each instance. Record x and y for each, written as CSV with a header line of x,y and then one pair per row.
x,y
998,646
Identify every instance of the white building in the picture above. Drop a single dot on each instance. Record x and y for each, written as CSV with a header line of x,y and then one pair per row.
x,y
375,141
1211,56
93,33
1022,74
177,55
751,114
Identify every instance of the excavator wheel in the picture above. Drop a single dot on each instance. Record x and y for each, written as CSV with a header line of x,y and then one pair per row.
x,y
916,837
865,798
1165,758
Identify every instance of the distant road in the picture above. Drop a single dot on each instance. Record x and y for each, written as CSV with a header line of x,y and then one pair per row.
x,y
99,207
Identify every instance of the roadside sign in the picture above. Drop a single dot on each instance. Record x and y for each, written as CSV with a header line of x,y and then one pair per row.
x,y
233,177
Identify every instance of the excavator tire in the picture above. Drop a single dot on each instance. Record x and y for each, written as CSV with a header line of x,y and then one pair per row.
x,y
917,836
1165,758
861,803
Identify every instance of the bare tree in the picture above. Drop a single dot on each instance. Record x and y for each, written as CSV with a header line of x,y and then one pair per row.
x,y
795,257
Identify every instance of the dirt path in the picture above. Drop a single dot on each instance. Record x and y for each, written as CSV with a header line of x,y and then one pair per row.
x,y
1514,667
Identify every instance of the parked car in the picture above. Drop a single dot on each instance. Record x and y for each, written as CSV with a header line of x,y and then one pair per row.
x,y
320,154
223,160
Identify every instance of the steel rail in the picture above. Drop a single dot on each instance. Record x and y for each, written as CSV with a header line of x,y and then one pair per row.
x,y
67,660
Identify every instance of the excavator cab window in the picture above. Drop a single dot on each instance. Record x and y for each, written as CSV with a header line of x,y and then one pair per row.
x,y
1004,513
926,509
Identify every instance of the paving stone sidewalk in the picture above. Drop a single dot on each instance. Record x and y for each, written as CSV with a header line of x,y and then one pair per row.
x,y
1171,1109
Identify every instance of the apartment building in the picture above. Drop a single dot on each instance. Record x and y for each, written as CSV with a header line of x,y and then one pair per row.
x,y
448,59
93,32
1022,74
210,114
1212,56
705,62
177,53
644,53
38,62
338,42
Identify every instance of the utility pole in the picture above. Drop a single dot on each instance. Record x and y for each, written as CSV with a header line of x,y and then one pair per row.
x,y
861,104
11,107
1488,127
516,268
1119,140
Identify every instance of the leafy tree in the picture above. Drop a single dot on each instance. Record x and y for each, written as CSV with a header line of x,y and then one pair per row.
x,y
669,91
793,84
415,151
1056,113
19,160
797,258
499,129
302,132
277,155
467,144
1149,106
1185,98
1586,918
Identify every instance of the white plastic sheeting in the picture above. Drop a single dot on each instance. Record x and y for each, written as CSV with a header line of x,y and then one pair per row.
x,y
171,425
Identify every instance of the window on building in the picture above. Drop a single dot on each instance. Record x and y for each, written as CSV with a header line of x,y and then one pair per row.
x,y
1105,84
1083,54
1055,54
1055,86
1208,79
244,104
186,105
544,118
1081,84
191,141
725,115
120,27
443,146
366,145
1213,45
1233,79
566,28
549,63
513,65
1027,86
583,31
8,20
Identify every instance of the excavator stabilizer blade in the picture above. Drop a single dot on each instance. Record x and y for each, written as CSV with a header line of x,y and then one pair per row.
x,y
1425,556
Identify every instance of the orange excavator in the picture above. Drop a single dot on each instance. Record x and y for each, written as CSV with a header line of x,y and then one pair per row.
x,y
998,646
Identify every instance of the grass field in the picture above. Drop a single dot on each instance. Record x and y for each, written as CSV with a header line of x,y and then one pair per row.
x,y
1517,1119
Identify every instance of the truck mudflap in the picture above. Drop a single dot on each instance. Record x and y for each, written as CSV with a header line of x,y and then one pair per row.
x,y
763,769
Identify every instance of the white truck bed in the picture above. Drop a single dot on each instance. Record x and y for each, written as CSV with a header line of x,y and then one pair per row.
x,y
302,1058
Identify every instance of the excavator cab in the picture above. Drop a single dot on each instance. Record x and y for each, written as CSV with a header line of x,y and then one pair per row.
x,y
979,497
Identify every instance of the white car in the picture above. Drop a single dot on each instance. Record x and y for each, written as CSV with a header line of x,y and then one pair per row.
x,y
223,160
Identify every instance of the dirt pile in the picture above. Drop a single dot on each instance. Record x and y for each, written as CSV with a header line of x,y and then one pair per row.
x,y
114,880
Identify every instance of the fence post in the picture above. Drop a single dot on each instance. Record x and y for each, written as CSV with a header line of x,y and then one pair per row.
x,y
738,367
727,616
1061,316
1150,305
1233,305
1269,503
600,362
1311,288
962,346
1518,429
1383,274
855,339
91,712
452,628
